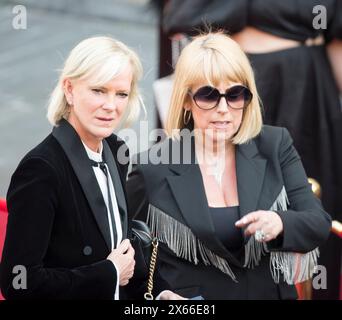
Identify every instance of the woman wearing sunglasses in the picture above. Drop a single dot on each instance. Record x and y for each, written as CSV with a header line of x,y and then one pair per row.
x,y
229,199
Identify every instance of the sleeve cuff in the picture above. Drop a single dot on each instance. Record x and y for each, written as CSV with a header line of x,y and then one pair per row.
x,y
116,295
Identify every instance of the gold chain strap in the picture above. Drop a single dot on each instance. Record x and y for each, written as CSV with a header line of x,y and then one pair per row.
x,y
148,295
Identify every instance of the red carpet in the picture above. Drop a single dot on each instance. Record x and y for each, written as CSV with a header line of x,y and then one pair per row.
x,y
3,223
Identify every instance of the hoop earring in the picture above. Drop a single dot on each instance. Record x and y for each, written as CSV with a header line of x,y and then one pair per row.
x,y
186,118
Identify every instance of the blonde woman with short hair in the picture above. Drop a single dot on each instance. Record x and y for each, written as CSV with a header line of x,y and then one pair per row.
x,y
229,200
67,223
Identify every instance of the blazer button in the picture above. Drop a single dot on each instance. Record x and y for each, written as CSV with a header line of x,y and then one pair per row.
x,y
87,250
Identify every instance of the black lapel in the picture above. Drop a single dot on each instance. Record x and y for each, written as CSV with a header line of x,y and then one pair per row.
x,y
119,193
72,145
250,173
188,189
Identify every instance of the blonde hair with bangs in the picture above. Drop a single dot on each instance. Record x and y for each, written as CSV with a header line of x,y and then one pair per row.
x,y
211,58
99,60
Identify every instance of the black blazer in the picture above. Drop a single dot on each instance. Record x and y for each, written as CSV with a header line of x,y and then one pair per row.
x,y
176,192
57,224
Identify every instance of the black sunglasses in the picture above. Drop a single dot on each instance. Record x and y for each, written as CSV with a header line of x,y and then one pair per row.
x,y
237,97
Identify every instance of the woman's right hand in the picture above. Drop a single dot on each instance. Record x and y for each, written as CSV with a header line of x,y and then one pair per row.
x,y
123,258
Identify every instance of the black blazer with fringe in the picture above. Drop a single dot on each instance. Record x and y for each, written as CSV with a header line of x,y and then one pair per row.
x,y
270,176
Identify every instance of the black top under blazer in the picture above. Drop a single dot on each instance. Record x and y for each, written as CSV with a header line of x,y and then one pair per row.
x,y
269,174
58,226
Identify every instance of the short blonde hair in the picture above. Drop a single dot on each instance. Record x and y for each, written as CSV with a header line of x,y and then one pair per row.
x,y
100,59
211,58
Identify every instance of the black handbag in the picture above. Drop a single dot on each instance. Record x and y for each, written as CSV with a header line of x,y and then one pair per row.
x,y
145,247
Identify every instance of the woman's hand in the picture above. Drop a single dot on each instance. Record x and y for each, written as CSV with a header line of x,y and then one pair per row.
x,y
123,259
265,225
169,295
